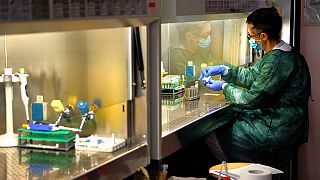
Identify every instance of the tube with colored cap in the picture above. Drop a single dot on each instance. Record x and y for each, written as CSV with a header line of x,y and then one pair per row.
x,y
63,112
83,107
96,105
86,113
57,105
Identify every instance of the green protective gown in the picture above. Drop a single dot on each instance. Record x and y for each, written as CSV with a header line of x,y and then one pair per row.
x,y
179,58
272,105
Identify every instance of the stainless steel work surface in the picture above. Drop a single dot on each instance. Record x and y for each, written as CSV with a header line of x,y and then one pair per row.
x,y
178,112
186,121
22,163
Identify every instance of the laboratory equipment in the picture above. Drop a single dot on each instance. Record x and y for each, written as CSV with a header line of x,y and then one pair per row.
x,y
87,114
44,135
172,84
10,139
39,110
229,45
39,134
192,92
44,139
23,90
79,55
39,116
63,112
190,70
97,143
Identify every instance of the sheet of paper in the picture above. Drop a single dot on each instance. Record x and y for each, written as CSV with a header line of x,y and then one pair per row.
x,y
211,94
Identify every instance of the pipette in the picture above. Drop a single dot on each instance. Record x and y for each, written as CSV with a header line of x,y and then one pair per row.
x,y
10,139
23,90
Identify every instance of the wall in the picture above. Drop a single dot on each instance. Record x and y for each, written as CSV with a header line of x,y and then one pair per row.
x,y
49,59
309,157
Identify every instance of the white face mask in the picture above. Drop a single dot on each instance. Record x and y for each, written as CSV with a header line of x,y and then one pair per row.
x,y
204,42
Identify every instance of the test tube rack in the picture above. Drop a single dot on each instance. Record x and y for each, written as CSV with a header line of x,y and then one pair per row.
x,y
96,143
55,140
192,93
172,85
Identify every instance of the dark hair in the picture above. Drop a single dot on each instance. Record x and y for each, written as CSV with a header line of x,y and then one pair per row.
x,y
266,20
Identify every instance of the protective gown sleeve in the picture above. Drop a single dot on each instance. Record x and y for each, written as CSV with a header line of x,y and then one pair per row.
x,y
241,76
263,82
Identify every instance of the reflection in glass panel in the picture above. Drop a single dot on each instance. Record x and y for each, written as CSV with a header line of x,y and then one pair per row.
x,y
203,43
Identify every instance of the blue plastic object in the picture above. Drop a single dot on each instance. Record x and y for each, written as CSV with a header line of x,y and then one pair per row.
x,y
83,107
190,72
97,101
39,127
38,111
99,141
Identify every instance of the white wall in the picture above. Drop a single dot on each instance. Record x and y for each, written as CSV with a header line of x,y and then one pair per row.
x,y
309,153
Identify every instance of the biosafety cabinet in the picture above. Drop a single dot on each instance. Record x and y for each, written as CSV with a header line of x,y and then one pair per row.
x,y
77,52
196,34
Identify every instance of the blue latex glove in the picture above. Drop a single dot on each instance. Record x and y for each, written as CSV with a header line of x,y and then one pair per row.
x,y
212,71
205,80
215,85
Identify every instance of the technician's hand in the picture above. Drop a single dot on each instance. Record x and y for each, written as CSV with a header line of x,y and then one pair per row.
x,y
212,71
216,85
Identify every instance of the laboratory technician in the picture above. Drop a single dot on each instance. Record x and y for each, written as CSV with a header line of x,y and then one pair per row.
x,y
270,98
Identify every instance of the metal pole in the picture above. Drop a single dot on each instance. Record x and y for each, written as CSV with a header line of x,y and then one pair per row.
x,y
5,51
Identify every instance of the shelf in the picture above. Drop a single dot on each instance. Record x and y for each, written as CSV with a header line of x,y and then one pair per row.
x,y
23,27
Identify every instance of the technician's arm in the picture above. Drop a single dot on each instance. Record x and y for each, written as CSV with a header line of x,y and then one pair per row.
x,y
241,76
265,88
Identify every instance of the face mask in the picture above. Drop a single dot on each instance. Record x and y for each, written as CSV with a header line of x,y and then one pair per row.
x,y
254,45
204,42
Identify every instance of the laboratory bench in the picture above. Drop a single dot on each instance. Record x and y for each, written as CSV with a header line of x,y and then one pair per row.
x,y
23,163
184,124
185,121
